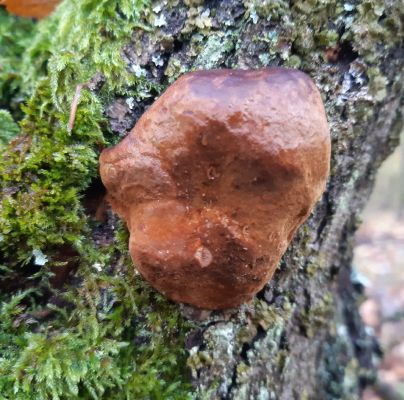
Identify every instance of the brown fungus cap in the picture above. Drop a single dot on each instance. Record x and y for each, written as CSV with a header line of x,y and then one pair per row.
x,y
216,177
30,8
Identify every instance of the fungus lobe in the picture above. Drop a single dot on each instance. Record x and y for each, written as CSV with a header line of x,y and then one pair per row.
x,y
30,8
215,178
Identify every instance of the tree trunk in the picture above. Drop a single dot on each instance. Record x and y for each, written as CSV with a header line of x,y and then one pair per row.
x,y
302,337
400,205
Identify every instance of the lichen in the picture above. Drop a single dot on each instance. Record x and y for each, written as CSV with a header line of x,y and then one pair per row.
x,y
214,51
198,18
318,315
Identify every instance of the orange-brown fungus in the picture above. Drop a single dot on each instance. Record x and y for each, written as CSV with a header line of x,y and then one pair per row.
x,y
30,8
216,177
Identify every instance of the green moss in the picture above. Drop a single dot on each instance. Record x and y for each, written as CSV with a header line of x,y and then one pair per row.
x,y
42,174
312,268
80,39
114,338
15,36
39,207
112,345
8,128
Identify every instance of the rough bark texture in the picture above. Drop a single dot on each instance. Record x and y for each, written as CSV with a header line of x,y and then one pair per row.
x,y
302,337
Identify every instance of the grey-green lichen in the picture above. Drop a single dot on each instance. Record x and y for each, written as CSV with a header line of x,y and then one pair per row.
x,y
213,51
318,315
222,340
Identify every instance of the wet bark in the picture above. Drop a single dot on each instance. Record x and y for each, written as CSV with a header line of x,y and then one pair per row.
x,y
302,337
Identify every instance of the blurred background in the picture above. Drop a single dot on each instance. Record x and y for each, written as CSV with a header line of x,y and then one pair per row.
x,y
379,259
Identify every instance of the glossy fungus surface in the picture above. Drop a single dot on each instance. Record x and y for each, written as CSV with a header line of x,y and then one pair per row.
x,y
215,178
30,8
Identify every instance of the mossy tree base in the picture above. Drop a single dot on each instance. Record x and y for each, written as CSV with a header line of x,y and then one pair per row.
x,y
106,334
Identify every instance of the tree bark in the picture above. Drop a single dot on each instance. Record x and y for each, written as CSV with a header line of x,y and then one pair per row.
x,y
302,337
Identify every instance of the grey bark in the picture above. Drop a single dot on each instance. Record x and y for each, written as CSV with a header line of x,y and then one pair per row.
x,y
302,338
400,206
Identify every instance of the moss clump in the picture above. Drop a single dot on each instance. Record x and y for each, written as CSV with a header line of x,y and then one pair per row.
x,y
45,170
108,336
9,128
15,36
118,340
42,174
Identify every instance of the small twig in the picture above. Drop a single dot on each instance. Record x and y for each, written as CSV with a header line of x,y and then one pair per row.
x,y
74,105
95,83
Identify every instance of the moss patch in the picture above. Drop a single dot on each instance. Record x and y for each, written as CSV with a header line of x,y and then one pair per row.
x,y
9,128
107,335
15,36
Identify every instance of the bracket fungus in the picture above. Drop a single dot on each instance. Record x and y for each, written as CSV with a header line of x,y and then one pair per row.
x,y
30,8
215,178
